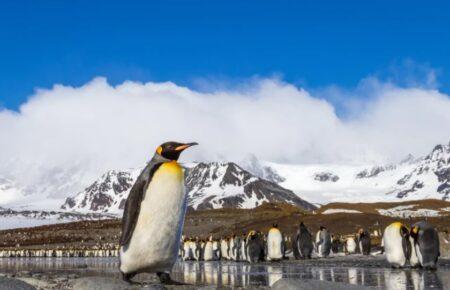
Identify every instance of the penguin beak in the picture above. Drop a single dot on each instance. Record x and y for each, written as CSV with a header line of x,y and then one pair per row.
x,y
184,146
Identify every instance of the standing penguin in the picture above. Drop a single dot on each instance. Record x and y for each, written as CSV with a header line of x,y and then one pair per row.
x,y
350,245
304,242
255,247
243,249
426,244
224,248
275,244
364,242
323,242
208,253
396,244
153,216
335,243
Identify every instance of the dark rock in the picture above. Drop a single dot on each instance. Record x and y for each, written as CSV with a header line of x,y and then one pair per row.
x,y
9,283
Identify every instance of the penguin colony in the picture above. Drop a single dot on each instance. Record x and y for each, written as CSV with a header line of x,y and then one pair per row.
x,y
97,251
256,246
418,245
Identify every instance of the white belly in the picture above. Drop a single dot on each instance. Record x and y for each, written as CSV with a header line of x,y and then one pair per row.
x,y
351,246
209,251
393,246
274,240
156,237
243,254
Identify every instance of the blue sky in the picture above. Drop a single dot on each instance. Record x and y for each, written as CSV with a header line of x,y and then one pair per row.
x,y
313,44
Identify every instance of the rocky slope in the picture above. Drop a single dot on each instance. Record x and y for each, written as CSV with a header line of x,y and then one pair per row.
x,y
208,185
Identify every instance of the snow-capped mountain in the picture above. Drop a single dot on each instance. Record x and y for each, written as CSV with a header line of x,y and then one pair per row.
x,y
208,185
226,185
411,179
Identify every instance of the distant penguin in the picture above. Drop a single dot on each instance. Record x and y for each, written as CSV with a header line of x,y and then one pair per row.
x,y
304,242
426,244
216,250
243,255
323,242
350,245
335,244
224,248
275,244
396,243
364,242
208,253
255,247
237,248
231,249
188,254
153,216
198,248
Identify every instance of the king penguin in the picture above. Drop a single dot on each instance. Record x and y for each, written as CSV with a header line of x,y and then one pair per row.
x,y
323,242
396,244
275,244
364,242
425,243
304,242
153,216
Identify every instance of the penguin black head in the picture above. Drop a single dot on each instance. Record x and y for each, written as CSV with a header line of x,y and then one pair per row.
x,y
275,225
172,150
322,228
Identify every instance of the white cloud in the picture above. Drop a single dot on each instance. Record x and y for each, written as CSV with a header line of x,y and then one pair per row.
x,y
64,131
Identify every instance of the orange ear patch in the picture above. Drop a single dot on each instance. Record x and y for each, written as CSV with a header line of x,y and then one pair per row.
x,y
159,150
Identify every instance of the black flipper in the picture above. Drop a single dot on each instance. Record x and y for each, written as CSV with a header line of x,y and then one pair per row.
x,y
133,203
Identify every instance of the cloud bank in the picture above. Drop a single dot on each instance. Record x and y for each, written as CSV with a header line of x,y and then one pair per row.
x,y
80,132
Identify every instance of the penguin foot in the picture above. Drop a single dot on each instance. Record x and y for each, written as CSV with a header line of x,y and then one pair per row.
x,y
165,279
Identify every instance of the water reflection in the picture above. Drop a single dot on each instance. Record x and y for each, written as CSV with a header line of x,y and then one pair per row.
x,y
246,275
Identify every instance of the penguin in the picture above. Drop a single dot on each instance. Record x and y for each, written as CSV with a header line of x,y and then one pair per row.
x,y
426,244
304,242
275,244
323,242
237,248
396,244
254,247
208,254
335,244
224,248
231,249
350,245
216,250
188,254
153,216
364,242
243,255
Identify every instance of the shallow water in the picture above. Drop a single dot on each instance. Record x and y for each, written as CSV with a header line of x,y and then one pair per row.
x,y
352,270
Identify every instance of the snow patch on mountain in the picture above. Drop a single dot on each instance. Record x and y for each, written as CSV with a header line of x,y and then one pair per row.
x,y
340,210
407,211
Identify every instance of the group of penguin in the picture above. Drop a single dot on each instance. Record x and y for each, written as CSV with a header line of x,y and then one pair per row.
x,y
273,246
418,246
